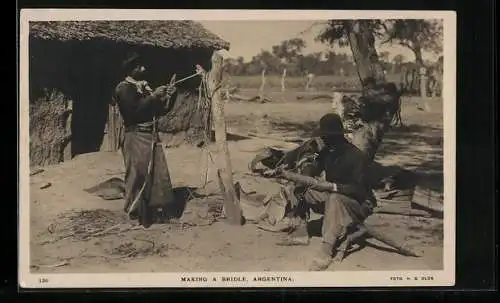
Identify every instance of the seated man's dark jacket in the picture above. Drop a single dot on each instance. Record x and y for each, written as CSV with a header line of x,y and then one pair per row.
x,y
346,166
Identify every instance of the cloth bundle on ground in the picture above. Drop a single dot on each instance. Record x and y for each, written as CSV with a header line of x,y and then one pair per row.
x,y
269,212
111,189
271,157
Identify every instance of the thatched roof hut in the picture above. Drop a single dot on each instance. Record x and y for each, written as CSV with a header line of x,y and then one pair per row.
x,y
75,66
164,34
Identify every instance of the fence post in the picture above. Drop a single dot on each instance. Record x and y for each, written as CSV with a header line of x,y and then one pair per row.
x,y
283,88
423,82
423,87
262,84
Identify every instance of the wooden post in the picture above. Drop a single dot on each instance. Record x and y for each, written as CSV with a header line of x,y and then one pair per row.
x,y
110,128
224,168
438,85
67,154
423,82
114,129
403,82
262,84
283,88
310,77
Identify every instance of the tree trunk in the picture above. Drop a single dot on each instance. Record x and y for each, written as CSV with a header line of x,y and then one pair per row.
x,y
362,44
417,51
377,106
224,167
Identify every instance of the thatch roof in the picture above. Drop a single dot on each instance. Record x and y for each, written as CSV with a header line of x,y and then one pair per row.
x,y
165,34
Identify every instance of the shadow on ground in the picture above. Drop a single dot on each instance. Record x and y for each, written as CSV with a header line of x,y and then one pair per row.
x,y
302,129
183,195
414,147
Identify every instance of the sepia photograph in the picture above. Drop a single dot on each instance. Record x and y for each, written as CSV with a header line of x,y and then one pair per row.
x,y
198,148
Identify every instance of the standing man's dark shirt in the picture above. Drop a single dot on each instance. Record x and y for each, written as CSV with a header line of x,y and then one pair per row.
x,y
136,106
147,180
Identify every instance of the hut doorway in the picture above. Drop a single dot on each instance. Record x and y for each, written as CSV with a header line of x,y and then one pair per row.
x,y
90,110
92,76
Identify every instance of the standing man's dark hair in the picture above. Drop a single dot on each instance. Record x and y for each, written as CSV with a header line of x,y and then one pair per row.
x,y
133,66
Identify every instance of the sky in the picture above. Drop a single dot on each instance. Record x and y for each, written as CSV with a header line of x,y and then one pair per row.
x,y
248,38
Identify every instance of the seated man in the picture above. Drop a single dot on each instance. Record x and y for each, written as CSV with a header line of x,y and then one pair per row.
x,y
345,166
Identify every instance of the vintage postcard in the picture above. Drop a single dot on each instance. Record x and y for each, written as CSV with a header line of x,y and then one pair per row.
x,y
219,148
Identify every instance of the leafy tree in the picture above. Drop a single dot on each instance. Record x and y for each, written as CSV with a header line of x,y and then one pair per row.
x,y
337,31
310,63
289,49
415,34
268,61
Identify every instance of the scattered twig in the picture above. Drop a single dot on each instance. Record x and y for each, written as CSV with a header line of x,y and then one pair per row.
x,y
56,239
37,171
129,255
100,233
46,185
63,263
403,212
97,233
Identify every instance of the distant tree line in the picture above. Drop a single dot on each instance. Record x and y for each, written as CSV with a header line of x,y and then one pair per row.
x,y
417,35
289,55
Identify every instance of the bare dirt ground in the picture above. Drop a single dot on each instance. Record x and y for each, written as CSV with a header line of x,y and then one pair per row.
x,y
219,246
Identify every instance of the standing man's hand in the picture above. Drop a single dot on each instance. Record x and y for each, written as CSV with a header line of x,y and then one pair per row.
x,y
171,89
160,91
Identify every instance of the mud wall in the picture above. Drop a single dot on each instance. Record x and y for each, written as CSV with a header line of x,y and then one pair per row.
x,y
50,129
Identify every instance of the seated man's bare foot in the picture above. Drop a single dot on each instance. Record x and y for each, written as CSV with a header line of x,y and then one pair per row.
x,y
298,234
339,257
321,262
342,250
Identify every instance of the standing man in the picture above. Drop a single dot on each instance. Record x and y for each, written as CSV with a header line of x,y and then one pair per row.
x,y
148,187
345,166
